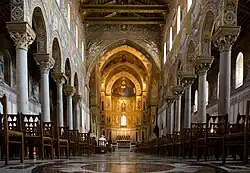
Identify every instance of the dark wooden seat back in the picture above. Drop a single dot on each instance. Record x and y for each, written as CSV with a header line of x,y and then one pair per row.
x,y
216,125
13,122
31,125
63,132
186,134
197,130
48,129
84,137
73,135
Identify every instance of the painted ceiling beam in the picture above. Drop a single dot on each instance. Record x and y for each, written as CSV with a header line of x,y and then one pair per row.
x,y
128,8
125,20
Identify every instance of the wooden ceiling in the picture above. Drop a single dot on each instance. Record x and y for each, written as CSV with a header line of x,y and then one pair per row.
x,y
123,11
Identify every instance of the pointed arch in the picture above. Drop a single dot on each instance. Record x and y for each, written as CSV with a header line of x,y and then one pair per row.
x,y
117,76
38,24
56,54
190,52
105,48
76,83
239,70
206,33
68,71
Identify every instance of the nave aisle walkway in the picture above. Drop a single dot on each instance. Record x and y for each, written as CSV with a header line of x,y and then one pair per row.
x,y
120,162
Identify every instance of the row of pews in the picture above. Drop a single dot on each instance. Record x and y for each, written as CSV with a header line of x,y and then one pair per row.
x,y
216,139
24,135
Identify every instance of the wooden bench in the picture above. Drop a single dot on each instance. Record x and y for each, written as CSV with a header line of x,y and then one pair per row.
x,y
185,142
237,139
38,134
73,142
84,142
62,141
213,140
10,132
197,131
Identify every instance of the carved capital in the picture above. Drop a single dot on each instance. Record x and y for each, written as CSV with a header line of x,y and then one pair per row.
x,y
44,61
69,90
203,64
170,99
187,78
59,78
78,98
225,37
178,90
21,33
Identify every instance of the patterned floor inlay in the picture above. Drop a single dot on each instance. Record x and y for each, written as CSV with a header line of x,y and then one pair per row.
x,y
120,162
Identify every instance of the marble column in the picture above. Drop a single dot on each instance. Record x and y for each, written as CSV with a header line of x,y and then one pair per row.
x,y
78,99
203,63
69,91
224,38
187,78
45,63
23,36
170,99
60,79
178,91
187,107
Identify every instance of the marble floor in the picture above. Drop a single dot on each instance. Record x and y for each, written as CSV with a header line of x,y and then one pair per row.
x,y
121,162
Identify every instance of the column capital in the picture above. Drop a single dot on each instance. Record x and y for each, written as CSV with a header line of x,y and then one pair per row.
x,y
44,61
78,98
203,63
21,33
69,90
59,77
225,37
178,90
188,78
170,99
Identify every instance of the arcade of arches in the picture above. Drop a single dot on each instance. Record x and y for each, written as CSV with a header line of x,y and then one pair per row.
x,y
162,77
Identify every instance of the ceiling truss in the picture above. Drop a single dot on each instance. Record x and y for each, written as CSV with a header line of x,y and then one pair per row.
x,y
123,13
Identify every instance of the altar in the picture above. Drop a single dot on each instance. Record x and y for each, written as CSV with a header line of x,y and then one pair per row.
x,y
123,141
123,144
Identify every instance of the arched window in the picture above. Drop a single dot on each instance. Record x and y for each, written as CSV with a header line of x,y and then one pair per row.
x,y
189,4
76,36
218,86
195,100
123,120
170,38
69,13
239,70
83,51
165,52
178,19
207,92
58,3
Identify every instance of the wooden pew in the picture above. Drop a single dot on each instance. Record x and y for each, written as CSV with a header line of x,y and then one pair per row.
x,y
197,131
170,145
38,134
62,141
237,139
84,143
185,142
73,142
213,140
10,132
